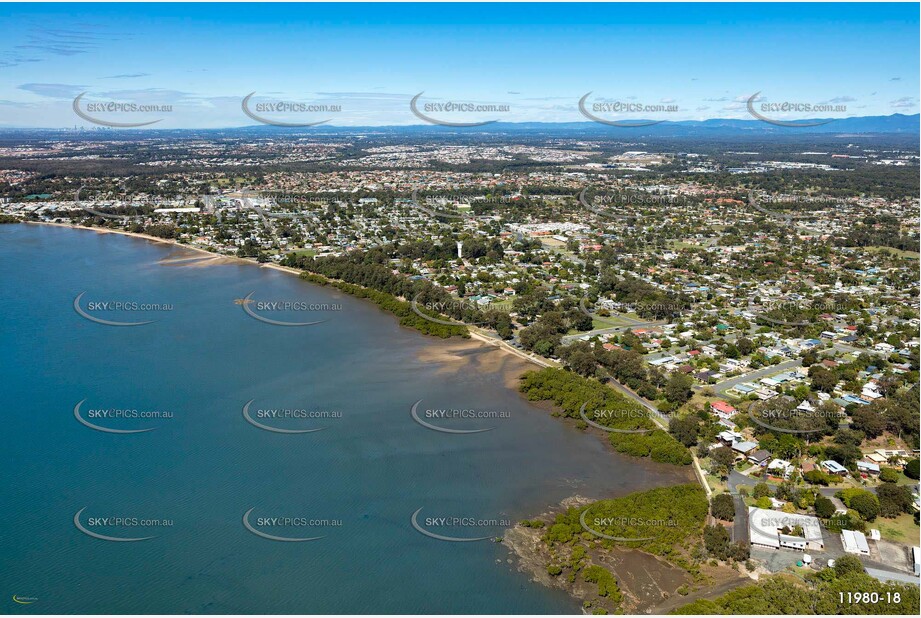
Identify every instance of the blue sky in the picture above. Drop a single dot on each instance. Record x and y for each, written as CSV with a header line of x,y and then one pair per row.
x,y
697,60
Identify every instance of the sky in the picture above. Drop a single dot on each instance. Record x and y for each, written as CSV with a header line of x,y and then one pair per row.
x,y
362,64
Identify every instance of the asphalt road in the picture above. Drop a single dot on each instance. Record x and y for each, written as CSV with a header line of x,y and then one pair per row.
x,y
754,376
568,339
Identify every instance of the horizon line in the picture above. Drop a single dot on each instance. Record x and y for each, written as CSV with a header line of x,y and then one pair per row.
x,y
473,129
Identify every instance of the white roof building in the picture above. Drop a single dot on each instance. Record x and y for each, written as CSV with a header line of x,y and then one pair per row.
x,y
855,542
765,525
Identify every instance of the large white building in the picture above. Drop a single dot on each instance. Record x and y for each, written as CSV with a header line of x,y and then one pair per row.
x,y
765,525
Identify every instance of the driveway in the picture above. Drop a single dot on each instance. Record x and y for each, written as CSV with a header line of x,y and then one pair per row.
x,y
740,522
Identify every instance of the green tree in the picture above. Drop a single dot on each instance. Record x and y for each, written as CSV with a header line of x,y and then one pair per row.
x,y
762,490
678,388
723,507
893,499
724,459
824,508
866,504
684,429
889,475
912,469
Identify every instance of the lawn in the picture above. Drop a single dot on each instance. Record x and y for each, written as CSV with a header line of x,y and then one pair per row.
x,y
599,324
906,255
699,399
502,305
680,244
716,484
902,529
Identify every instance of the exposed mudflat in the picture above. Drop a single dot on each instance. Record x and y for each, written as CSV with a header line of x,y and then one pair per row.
x,y
649,584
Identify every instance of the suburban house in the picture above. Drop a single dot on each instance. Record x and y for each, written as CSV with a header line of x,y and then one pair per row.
x,y
833,467
780,468
744,447
722,409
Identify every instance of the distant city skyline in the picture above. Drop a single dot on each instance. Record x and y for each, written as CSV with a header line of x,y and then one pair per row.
x,y
362,64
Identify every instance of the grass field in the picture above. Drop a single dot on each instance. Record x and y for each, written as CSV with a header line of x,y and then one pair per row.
x,y
502,305
680,244
907,255
902,529
598,324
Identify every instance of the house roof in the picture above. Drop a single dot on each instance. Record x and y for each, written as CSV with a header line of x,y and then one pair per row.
x,y
833,466
744,447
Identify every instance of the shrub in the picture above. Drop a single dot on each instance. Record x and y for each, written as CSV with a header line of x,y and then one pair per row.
x,y
847,564
816,477
889,475
607,585
561,533
911,469
531,523
570,391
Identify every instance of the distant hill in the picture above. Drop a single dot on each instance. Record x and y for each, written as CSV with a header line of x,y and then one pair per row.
x,y
896,124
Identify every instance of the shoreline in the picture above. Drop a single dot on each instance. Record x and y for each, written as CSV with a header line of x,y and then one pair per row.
x,y
483,339
525,560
